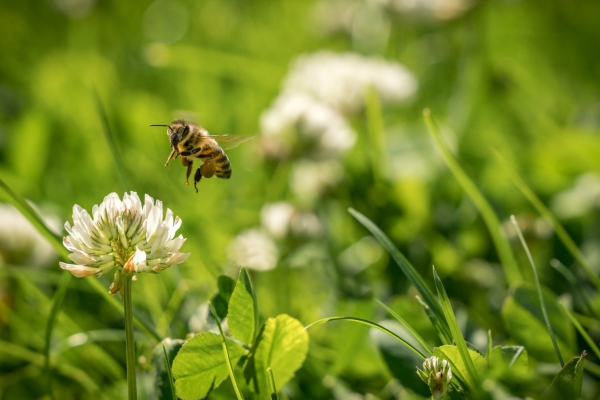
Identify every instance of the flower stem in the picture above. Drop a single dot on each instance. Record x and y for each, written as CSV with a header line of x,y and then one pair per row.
x,y
129,339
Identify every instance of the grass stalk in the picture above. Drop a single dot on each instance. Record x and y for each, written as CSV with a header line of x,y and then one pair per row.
x,y
129,338
169,372
581,331
459,340
406,267
377,142
272,383
511,269
549,216
238,392
372,325
539,290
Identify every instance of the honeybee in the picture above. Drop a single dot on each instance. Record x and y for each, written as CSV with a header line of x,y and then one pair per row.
x,y
192,141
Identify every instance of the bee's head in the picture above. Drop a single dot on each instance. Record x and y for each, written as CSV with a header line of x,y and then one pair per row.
x,y
177,131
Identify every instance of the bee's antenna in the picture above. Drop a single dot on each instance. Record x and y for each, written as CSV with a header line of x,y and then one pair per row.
x,y
159,125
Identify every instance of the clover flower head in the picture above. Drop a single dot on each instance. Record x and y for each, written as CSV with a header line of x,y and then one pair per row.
x,y
124,234
437,374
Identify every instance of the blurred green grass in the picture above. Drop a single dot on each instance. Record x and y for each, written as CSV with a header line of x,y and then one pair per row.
x,y
517,76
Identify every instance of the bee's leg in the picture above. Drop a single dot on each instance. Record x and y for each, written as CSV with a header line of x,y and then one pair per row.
x,y
197,178
171,157
189,164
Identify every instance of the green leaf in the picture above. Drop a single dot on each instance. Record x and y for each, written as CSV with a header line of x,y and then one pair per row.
x,y
162,382
511,269
510,363
525,321
243,310
472,377
200,365
456,358
509,356
406,267
567,383
221,299
282,346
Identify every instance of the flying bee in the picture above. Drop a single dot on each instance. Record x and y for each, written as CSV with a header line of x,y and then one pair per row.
x,y
191,141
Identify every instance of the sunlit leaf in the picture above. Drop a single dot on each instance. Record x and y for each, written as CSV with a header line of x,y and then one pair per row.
x,y
200,365
243,309
282,346
452,354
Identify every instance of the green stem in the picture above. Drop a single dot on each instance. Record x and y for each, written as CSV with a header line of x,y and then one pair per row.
x,y
129,339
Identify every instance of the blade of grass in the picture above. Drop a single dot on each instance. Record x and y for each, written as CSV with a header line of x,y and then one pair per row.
x,y
272,384
581,331
169,372
539,290
549,216
406,267
456,333
575,286
511,269
437,324
405,324
238,393
377,142
372,325
110,139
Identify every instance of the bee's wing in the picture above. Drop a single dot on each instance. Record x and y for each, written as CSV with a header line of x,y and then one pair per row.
x,y
229,141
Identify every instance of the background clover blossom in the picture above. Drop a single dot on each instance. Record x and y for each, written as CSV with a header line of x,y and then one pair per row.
x,y
123,234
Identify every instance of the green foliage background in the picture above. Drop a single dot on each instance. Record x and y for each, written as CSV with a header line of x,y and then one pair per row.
x,y
517,76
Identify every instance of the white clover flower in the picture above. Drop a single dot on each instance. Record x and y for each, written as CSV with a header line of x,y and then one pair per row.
x,y
21,243
437,374
341,80
296,118
253,249
282,218
123,234
310,179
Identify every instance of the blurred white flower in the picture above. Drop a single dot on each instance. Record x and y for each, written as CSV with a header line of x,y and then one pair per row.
x,y
310,179
579,199
341,80
437,9
123,234
253,249
276,217
281,219
20,242
296,120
